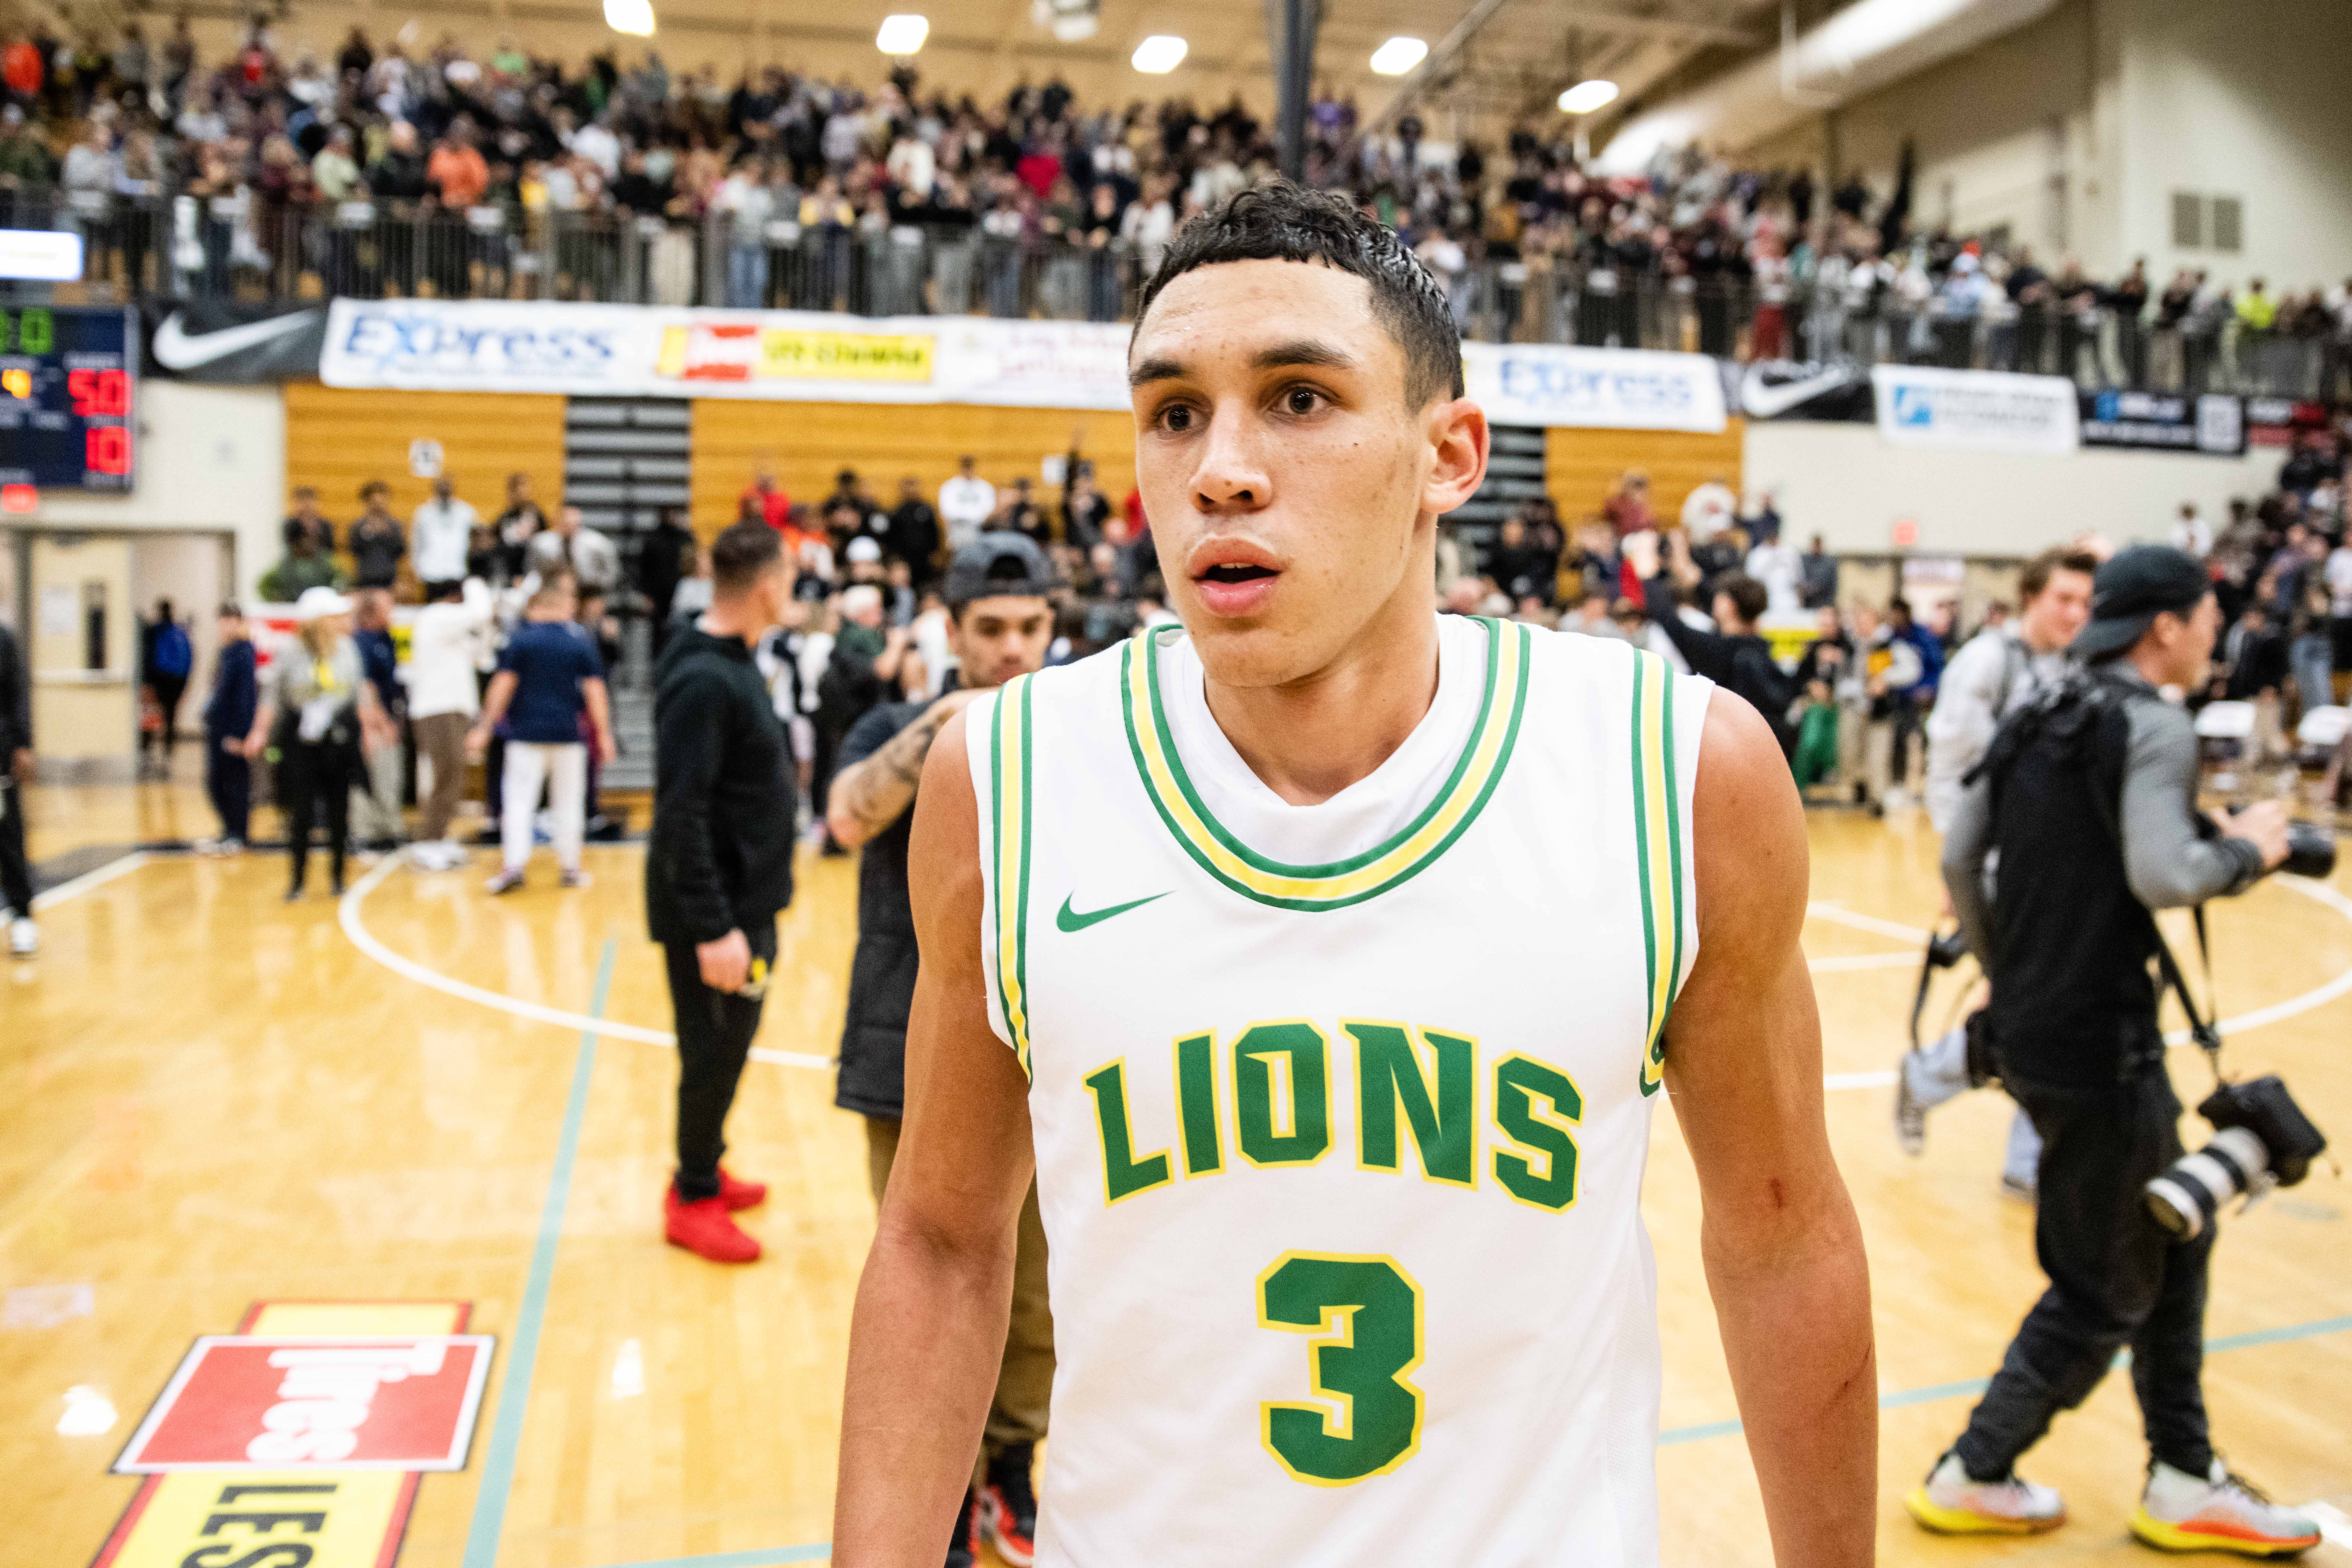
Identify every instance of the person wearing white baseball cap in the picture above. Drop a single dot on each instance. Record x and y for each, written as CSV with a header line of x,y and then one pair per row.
x,y
316,712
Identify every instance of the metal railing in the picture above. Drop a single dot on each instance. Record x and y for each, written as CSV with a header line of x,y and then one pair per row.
x,y
247,246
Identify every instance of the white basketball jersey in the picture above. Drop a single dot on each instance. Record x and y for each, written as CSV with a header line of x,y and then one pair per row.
x,y
1340,1111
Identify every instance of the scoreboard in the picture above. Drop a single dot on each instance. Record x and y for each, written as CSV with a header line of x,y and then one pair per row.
x,y
67,376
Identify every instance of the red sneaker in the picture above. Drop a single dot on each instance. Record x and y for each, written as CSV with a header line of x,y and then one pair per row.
x,y
704,1228
737,1194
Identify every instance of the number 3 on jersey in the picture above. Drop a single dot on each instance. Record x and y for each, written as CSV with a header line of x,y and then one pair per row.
x,y
1368,1313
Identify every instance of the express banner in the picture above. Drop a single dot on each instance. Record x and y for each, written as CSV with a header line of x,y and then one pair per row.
x,y
1975,410
787,355
810,357
2213,424
1609,389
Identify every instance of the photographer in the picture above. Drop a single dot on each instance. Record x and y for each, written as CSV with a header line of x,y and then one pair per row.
x,y
2088,797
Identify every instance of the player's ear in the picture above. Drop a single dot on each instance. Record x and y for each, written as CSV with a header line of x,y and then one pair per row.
x,y
1458,437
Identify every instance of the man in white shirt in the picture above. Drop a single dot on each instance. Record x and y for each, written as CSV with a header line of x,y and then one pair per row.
x,y
2192,532
1709,510
444,647
966,503
596,142
439,535
571,546
2000,670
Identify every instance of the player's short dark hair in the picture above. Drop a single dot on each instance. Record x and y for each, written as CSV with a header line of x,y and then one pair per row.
x,y
1749,596
1279,221
2049,564
741,554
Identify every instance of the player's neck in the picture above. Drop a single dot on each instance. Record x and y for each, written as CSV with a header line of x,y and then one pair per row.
x,y
1313,737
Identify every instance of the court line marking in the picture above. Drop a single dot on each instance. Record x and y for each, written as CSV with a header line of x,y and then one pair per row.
x,y
122,867
355,928
522,1346
1934,1393
2331,1521
347,915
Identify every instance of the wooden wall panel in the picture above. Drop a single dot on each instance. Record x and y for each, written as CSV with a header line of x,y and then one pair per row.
x,y
809,443
338,439
1582,466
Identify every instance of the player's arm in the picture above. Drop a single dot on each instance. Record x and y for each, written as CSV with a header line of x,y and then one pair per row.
x,y
1782,1248
928,1335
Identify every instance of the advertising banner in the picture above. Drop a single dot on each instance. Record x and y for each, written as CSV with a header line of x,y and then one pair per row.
x,y
2213,424
1975,410
221,341
1610,389
636,350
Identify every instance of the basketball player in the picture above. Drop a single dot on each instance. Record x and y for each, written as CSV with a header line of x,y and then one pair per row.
x,y
1321,950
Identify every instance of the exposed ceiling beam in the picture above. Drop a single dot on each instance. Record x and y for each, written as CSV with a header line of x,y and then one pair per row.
x,y
1675,27
1440,60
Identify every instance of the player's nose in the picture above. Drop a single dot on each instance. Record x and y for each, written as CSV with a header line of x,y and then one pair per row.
x,y
1232,475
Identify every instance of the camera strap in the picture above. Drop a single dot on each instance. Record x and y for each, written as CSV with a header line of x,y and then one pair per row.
x,y
2206,1032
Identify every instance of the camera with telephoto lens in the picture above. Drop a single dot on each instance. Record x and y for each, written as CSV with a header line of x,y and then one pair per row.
x,y
2261,1140
2310,851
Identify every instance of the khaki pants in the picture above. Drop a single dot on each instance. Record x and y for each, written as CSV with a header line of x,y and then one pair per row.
x,y
375,799
441,739
1024,1382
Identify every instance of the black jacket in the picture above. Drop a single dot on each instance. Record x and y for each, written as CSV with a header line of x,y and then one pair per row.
x,y
15,698
236,691
873,1080
720,854
1738,664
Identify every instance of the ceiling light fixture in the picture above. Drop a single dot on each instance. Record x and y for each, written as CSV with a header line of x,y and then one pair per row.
x,y
635,18
1587,96
902,35
1398,56
1160,54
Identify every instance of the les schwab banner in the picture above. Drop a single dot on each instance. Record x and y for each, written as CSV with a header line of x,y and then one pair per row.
x,y
809,356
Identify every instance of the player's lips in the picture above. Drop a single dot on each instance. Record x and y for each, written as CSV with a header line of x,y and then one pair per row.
x,y
1234,576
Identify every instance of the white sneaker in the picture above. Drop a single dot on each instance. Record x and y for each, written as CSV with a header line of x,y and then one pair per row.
x,y
1949,1503
24,938
2221,1512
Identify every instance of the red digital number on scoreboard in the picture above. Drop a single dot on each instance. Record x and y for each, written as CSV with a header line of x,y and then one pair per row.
x,y
99,393
107,447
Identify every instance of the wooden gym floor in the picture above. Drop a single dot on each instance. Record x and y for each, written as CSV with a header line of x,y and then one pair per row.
x,y
209,1098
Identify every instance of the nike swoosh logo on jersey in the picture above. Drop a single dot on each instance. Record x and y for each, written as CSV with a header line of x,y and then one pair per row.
x,y
177,349
1068,919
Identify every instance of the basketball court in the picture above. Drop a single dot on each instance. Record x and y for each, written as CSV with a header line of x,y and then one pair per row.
x,y
429,1124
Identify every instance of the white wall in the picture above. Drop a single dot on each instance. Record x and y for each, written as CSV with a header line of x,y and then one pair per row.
x,y
208,458
1846,484
1993,128
2252,98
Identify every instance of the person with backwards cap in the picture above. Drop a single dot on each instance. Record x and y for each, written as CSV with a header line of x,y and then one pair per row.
x,y
2089,798
1000,623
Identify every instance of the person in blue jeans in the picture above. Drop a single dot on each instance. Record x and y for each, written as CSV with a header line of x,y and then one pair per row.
x,y
228,714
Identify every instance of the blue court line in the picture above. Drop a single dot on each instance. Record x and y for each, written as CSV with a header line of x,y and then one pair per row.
x,y
1904,1398
761,1557
758,1557
523,1349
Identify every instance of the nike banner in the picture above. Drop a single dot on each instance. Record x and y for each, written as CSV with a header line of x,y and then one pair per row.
x,y
1784,389
222,340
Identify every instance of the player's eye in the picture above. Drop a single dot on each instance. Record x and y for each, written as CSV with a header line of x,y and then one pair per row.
x,y
1176,416
1302,400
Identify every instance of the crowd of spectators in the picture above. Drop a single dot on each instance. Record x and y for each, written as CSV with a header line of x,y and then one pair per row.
x,y
1692,252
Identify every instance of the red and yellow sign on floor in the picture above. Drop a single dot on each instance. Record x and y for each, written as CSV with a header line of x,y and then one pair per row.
x,y
306,1430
